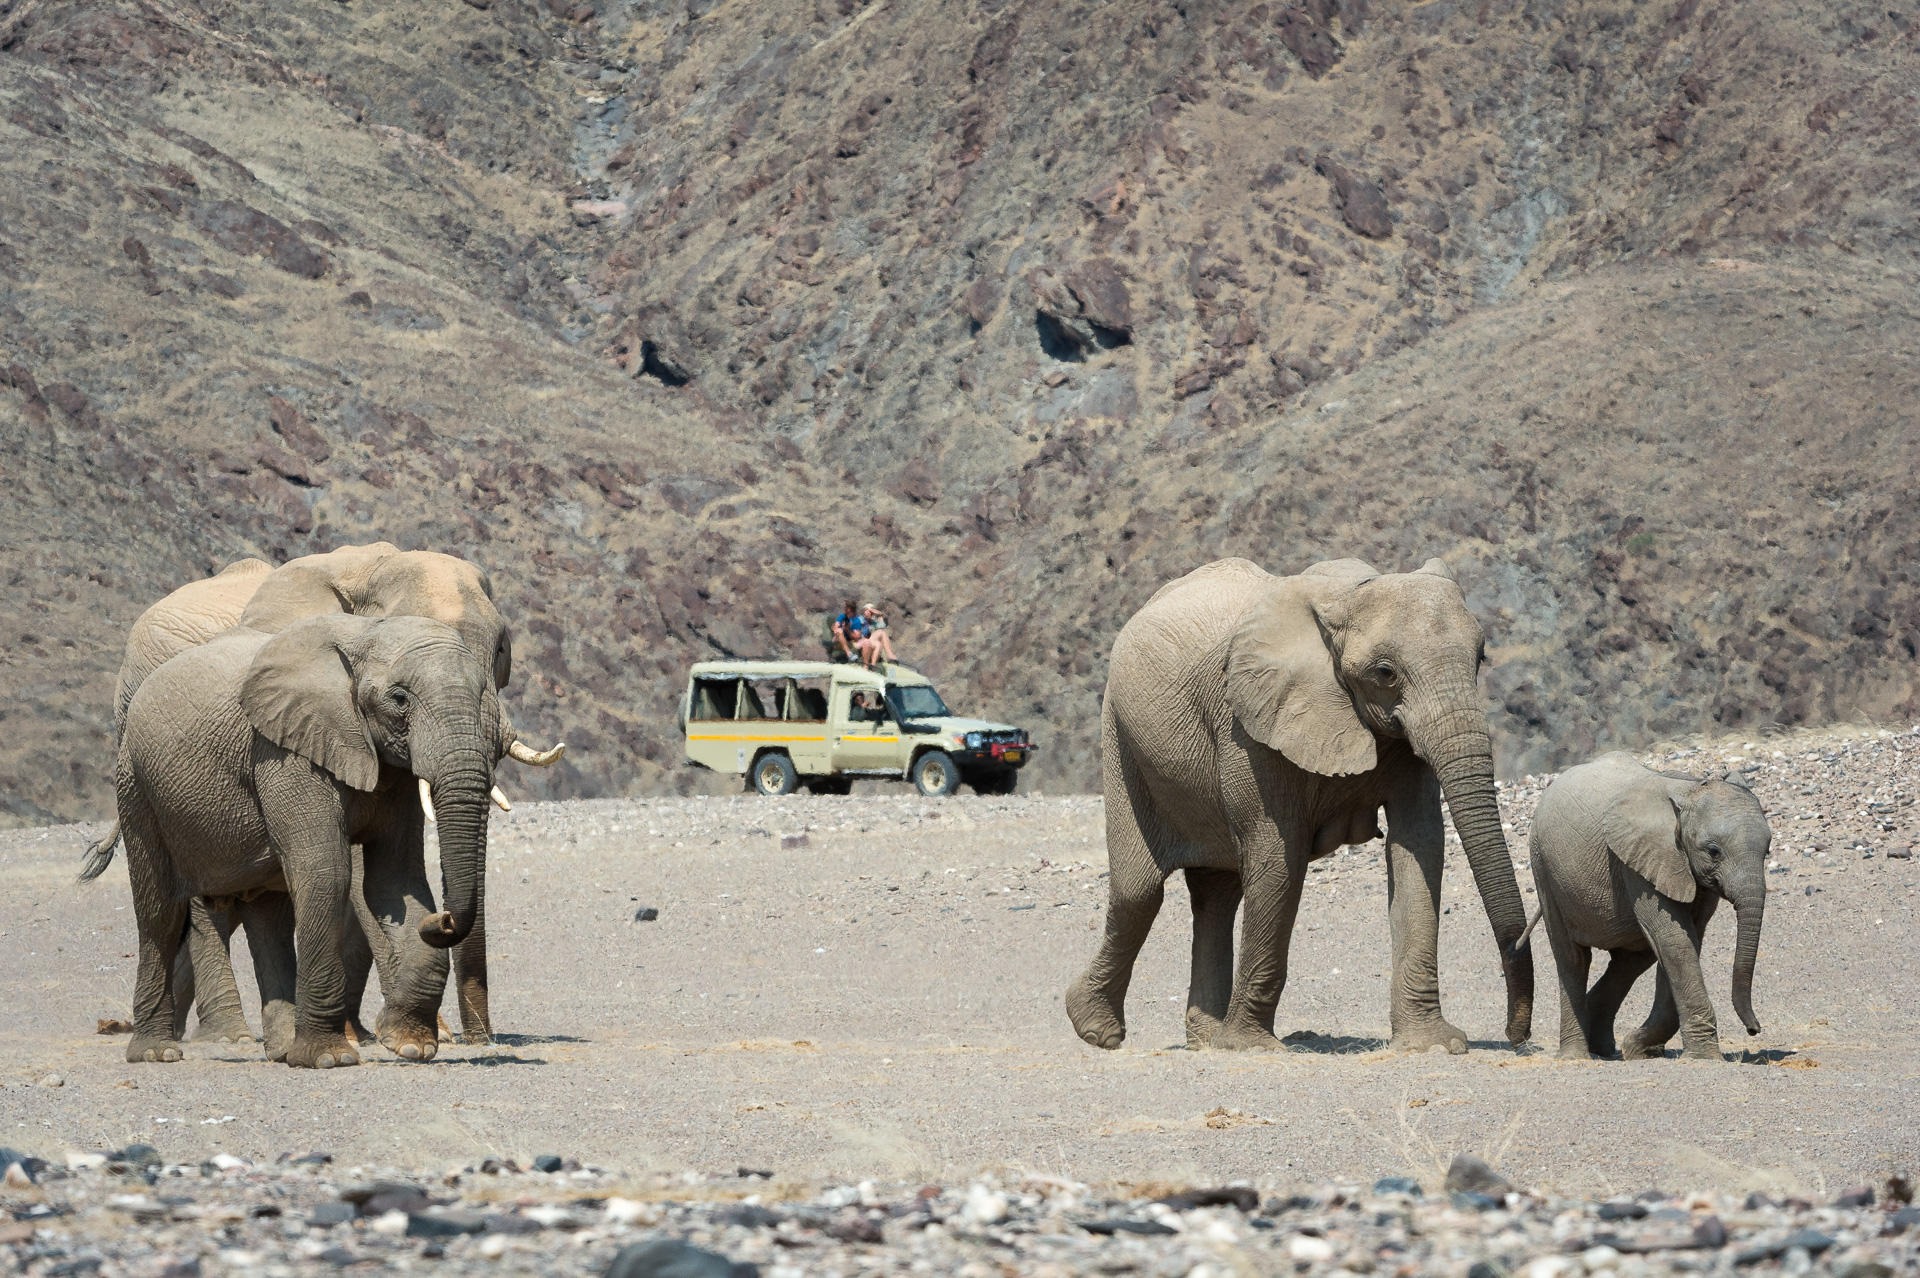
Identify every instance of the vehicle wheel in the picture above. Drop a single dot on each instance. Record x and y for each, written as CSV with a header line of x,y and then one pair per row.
x,y
934,774
830,785
1000,781
773,774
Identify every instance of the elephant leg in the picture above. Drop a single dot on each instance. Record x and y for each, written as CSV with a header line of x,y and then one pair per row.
x,y
1416,848
1603,1000
270,925
160,915
1274,871
1676,942
356,950
1572,961
1096,1001
1216,900
470,981
318,873
413,974
1662,1023
214,993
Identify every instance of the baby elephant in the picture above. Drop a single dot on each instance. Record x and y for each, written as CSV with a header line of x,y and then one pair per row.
x,y
1633,861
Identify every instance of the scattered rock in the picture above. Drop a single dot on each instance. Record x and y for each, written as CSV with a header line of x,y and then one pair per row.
x,y
671,1258
1470,1175
1362,204
645,914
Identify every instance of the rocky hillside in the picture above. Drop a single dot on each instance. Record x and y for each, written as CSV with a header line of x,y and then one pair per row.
x,y
683,317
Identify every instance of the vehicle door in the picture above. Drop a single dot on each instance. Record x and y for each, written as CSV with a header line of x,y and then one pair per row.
x,y
863,740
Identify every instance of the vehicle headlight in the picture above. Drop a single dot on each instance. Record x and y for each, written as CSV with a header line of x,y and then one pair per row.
x,y
973,741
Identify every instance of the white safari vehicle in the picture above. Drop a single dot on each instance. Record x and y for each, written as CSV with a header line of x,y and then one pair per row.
x,y
784,724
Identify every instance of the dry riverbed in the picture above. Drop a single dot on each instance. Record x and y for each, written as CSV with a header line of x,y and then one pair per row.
x,y
838,1046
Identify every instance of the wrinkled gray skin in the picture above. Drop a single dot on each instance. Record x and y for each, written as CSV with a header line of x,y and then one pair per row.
x,y
379,580
1633,862
1253,724
248,769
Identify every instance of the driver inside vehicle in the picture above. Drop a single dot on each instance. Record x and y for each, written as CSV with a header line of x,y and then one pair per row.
x,y
864,709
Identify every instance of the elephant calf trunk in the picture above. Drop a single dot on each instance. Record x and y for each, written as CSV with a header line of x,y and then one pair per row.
x,y
441,931
1745,950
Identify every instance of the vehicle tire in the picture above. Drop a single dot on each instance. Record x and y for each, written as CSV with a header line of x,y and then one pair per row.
x,y
999,781
934,774
830,785
774,775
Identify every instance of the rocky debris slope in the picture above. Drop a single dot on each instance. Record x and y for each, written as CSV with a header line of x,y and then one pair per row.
x,y
683,318
131,1209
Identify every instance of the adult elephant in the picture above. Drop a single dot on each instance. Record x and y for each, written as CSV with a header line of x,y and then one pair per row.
x,y
250,767
376,580
1254,723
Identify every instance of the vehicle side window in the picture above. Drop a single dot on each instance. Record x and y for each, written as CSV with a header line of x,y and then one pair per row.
x,y
804,703
748,706
714,698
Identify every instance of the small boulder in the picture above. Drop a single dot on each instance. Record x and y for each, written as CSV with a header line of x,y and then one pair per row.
x,y
671,1258
1470,1175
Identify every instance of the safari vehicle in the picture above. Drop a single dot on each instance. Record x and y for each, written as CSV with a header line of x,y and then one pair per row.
x,y
784,724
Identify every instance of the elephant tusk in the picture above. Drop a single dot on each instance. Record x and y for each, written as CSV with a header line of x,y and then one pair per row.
x,y
537,758
500,800
426,801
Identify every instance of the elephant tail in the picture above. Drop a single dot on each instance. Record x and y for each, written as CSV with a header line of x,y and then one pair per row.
x,y
100,855
1528,930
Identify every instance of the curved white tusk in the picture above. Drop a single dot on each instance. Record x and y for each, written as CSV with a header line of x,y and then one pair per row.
x,y
500,800
537,758
426,801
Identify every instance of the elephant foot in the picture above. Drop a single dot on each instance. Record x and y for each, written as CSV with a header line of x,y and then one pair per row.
x,y
159,1051
1428,1035
1702,1052
1574,1052
1635,1048
321,1051
1096,1019
1201,1027
357,1032
407,1036
223,1027
1244,1038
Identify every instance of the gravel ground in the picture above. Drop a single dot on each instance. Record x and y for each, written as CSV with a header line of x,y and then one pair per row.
x,y
839,1047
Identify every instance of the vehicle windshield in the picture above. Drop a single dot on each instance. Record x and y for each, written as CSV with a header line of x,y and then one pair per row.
x,y
916,701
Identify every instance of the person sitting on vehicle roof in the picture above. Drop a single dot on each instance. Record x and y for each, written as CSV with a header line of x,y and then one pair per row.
x,y
880,643
849,629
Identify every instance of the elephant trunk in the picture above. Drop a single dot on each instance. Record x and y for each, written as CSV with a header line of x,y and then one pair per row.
x,y
461,795
1746,947
1461,755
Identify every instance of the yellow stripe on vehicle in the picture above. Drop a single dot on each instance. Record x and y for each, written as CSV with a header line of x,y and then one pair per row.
x,y
757,736
863,737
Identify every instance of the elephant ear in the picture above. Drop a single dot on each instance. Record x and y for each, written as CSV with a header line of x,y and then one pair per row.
x,y
313,586
1281,682
1642,827
298,694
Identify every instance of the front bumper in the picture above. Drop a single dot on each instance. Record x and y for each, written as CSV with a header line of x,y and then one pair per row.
x,y
994,755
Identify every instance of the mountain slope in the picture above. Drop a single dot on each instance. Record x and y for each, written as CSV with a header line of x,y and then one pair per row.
x,y
685,319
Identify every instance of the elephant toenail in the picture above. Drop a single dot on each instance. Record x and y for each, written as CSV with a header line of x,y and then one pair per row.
x,y
325,1061
411,1051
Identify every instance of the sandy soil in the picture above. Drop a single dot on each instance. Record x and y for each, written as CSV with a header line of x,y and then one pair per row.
x,y
882,998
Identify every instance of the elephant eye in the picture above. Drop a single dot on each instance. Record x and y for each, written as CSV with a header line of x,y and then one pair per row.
x,y
1713,851
1383,673
400,698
